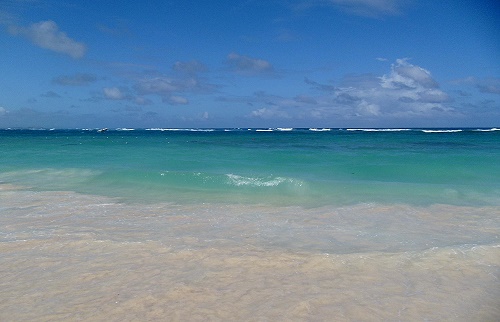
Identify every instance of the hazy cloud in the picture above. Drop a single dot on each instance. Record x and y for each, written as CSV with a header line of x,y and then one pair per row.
x,y
120,29
121,93
248,65
142,101
367,8
176,100
159,85
75,80
46,34
489,85
484,85
168,87
113,93
371,7
190,67
50,94
269,113
6,18
3,111
321,87
306,99
285,35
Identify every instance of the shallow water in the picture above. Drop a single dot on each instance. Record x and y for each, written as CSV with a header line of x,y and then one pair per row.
x,y
68,256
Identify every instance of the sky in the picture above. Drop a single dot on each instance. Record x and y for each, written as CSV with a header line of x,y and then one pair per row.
x,y
249,63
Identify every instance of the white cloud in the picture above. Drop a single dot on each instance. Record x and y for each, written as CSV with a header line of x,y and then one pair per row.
x,y
46,34
3,111
407,89
248,65
407,75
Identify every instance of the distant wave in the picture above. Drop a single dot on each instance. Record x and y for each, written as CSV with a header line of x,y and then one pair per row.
x,y
441,131
319,130
487,130
277,129
379,130
175,129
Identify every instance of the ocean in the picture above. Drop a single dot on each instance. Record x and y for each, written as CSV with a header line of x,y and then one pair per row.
x,y
278,224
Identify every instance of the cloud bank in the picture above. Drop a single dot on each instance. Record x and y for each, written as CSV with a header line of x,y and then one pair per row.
x,y
407,91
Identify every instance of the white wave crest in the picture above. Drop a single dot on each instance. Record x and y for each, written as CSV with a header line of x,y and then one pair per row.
x,y
441,131
179,129
237,180
320,130
379,130
488,130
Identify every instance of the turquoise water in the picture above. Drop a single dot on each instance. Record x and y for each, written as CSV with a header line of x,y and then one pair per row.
x,y
294,167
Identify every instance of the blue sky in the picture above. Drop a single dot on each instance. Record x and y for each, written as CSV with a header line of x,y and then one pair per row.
x,y
274,63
